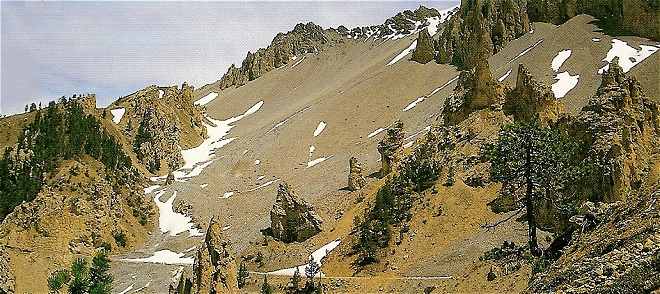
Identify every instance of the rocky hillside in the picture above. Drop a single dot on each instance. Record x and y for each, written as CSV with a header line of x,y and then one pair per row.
x,y
158,122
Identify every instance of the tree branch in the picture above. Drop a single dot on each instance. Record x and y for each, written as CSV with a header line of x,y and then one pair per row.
x,y
488,226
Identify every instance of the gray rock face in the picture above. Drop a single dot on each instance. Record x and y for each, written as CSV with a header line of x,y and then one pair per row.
x,y
7,280
390,146
292,218
214,270
355,178
304,38
424,51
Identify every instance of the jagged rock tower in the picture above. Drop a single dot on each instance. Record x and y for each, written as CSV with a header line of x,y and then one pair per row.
x,y
292,218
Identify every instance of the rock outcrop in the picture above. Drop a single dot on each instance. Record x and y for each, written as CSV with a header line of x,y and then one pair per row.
x,y
303,39
355,178
424,52
214,270
159,121
292,219
475,90
390,146
7,281
622,127
615,248
639,17
481,28
531,99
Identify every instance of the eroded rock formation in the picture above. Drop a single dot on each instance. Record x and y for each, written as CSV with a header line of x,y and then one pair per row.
x,y
424,52
390,146
355,178
531,99
292,218
481,28
214,270
403,23
7,281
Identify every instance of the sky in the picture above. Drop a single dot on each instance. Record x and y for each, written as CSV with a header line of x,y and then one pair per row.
x,y
51,49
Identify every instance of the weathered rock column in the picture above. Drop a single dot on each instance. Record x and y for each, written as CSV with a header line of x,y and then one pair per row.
x,y
389,147
355,179
292,218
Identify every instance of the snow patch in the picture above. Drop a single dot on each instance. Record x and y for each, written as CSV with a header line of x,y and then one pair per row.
x,y
262,185
160,94
414,103
257,162
206,99
628,56
320,128
433,25
298,62
443,86
559,60
404,53
317,161
227,195
376,132
506,75
173,222
129,288
565,82
595,39
203,185
117,114
163,257
317,255
150,189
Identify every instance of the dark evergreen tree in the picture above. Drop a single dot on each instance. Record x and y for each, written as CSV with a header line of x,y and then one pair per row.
x,y
243,275
265,287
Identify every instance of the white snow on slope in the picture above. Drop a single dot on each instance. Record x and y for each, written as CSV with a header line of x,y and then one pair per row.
x,y
317,161
446,13
298,62
595,39
163,257
376,132
414,103
527,50
628,56
227,195
129,288
436,90
150,189
311,150
262,185
206,99
559,60
203,185
404,53
203,153
257,162
172,222
160,94
565,82
506,75
320,128
117,114
317,255
433,25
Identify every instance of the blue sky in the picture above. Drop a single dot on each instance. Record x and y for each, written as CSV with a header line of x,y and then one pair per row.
x,y
50,49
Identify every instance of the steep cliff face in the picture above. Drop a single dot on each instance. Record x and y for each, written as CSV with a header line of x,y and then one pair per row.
x,y
424,51
640,17
481,28
303,39
158,122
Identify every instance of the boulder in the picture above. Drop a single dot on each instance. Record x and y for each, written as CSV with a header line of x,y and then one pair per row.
x,y
292,219
355,179
390,146
424,51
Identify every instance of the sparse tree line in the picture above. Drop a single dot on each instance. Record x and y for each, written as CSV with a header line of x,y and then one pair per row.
x,y
58,132
82,277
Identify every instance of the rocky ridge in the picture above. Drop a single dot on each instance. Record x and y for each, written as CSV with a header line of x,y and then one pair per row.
x,y
303,39
389,148
402,24
355,178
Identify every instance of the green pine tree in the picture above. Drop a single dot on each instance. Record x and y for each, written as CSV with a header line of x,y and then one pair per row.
x,y
242,275
265,287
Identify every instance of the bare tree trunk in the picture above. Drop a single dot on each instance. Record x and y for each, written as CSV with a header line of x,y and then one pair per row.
x,y
529,202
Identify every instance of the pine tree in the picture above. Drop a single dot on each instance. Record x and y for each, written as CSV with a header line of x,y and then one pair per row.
x,y
57,280
242,275
533,161
313,268
80,272
100,279
265,287
295,281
